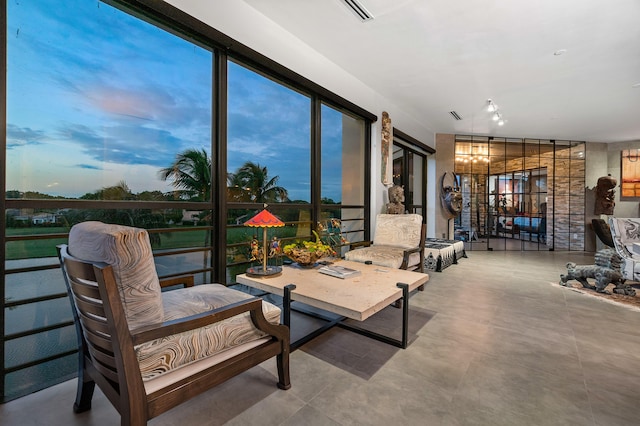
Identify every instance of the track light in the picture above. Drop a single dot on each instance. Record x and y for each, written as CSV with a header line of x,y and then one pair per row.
x,y
495,113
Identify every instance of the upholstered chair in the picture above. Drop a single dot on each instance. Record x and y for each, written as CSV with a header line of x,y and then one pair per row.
x,y
398,242
150,350
625,233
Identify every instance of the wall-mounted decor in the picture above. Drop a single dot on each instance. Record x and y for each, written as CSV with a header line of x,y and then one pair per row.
x,y
630,174
387,135
451,196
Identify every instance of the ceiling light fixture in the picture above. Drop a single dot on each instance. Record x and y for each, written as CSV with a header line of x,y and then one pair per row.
x,y
495,113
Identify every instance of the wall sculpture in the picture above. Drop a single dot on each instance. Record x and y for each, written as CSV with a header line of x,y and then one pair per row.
x,y
451,196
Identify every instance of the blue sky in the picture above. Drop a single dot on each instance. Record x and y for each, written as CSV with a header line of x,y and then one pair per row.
x,y
96,97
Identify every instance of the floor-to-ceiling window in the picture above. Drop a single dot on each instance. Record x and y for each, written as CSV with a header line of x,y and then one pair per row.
x,y
113,118
93,118
520,194
343,175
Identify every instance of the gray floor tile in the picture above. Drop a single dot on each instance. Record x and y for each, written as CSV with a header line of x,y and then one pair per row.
x,y
494,341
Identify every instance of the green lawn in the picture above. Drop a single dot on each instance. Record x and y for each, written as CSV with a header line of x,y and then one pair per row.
x,y
30,249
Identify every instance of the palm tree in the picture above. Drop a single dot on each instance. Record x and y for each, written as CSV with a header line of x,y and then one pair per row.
x,y
191,174
255,185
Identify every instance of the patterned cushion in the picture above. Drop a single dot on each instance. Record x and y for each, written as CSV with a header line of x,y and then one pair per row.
x,y
162,355
433,252
128,251
625,232
388,256
400,230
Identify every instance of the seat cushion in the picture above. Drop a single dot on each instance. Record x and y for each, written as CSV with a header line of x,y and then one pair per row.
x,y
128,251
388,256
401,230
169,353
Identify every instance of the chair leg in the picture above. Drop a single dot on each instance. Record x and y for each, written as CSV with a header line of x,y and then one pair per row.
x,y
84,394
282,360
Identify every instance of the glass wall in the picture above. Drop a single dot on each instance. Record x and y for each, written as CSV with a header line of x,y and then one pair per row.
x,y
520,194
342,172
110,117
268,140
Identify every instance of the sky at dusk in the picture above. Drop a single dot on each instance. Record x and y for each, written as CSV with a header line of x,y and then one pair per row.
x,y
96,97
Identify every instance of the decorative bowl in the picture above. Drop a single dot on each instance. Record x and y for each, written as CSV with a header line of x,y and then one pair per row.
x,y
304,257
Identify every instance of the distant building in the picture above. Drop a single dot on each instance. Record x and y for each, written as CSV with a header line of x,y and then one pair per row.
x,y
43,218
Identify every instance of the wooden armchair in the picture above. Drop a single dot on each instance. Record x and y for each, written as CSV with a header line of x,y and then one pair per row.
x,y
147,357
398,243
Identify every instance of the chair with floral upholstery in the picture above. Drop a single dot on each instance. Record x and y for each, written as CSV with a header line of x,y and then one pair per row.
x,y
398,243
150,350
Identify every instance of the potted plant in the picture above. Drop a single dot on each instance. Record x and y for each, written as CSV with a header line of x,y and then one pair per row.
x,y
307,253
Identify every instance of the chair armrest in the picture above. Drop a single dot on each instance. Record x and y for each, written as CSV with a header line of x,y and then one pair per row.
x,y
408,252
254,306
358,244
418,249
186,281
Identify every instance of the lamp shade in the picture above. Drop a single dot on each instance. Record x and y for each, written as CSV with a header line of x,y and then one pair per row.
x,y
264,219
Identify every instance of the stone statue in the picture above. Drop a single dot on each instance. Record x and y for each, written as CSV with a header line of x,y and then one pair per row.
x,y
451,196
396,200
605,195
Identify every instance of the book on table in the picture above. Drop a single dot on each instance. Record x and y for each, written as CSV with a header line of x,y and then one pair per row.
x,y
339,271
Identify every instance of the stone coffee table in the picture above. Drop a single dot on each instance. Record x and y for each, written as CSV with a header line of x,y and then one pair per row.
x,y
355,298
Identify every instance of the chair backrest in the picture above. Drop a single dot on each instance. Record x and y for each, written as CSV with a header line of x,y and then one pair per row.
x,y
104,336
625,232
400,230
128,251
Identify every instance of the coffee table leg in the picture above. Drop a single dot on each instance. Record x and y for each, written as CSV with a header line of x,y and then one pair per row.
x,y
405,313
286,313
399,343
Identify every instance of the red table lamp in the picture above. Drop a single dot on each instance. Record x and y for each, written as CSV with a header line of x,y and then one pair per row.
x,y
264,220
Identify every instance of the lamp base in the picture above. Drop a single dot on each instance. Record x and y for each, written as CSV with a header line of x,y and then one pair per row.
x,y
260,272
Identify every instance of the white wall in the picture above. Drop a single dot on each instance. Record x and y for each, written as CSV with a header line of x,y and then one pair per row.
x,y
241,22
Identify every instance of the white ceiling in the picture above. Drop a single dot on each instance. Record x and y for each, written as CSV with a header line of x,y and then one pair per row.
x,y
434,56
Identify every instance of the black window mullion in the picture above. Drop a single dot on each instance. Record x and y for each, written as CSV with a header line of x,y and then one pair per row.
x,y
316,159
219,140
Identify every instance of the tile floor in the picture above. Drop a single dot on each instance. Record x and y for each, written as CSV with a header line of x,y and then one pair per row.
x,y
493,342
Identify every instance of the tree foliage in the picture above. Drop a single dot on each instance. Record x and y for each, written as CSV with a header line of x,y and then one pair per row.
x,y
191,175
251,183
